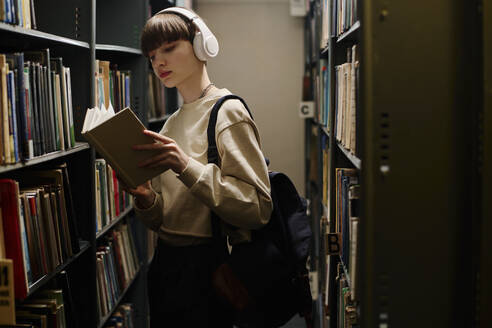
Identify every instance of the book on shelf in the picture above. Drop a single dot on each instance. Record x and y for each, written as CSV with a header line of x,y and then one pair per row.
x,y
354,210
346,82
35,105
14,246
113,136
117,265
345,178
45,95
17,12
122,317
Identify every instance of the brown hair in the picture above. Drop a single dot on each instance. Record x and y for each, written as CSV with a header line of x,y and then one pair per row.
x,y
165,27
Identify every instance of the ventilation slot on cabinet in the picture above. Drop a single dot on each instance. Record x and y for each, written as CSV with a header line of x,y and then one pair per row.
x,y
383,300
384,144
77,23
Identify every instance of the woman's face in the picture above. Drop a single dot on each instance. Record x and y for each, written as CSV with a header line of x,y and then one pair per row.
x,y
175,63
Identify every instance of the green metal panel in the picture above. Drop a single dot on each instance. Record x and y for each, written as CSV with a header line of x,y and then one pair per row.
x,y
485,286
416,121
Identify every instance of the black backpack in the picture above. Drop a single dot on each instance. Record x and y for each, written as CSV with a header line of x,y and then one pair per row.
x,y
272,267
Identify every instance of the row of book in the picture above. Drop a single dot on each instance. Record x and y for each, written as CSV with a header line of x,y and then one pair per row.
x,y
325,21
157,98
18,12
347,219
45,309
325,152
38,229
322,95
111,199
344,15
51,306
123,317
113,86
36,113
346,86
347,316
347,182
117,264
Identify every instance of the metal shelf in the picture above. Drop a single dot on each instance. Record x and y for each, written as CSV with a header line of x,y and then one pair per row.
x,y
84,245
347,276
352,158
114,222
120,298
325,130
41,35
350,33
119,49
80,146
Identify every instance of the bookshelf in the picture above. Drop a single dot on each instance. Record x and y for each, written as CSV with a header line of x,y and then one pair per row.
x,y
421,158
83,33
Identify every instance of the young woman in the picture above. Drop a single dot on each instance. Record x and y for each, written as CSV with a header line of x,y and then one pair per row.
x,y
177,204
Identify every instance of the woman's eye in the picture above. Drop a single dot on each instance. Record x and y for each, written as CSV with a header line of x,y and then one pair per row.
x,y
168,49
152,58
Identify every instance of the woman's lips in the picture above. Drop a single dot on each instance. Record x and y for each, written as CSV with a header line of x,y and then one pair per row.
x,y
164,74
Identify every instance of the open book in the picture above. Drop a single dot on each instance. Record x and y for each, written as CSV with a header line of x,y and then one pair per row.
x,y
113,135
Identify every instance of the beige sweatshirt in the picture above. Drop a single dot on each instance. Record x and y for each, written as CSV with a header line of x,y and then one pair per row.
x,y
238,191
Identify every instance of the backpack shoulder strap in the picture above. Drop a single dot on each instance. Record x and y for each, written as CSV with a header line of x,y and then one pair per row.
x,y
213,155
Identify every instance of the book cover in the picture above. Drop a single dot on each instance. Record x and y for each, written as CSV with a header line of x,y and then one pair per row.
x,y
32,242
57,66
113,140
4,119
67,199
9,204
16,62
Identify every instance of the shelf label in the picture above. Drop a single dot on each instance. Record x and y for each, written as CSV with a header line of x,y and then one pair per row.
x,y
7,300
298,8
333,243
306,109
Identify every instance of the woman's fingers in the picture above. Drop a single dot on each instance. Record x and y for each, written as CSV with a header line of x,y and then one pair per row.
x,y
160,142
152,162
158,137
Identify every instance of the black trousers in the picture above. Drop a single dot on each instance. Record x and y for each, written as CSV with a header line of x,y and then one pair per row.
x,y
180,289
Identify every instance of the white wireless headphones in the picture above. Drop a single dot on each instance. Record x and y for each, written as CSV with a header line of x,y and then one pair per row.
x,y
205,43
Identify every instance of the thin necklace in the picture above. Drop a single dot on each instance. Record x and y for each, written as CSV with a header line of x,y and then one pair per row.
x,y
204,92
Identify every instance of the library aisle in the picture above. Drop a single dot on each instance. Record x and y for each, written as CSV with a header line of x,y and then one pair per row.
x,y
396,150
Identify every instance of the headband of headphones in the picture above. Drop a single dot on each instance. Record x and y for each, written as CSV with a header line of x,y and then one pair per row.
x,y
205,44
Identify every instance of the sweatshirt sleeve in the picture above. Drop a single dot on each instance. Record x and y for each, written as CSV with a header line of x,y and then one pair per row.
x,y
152,216
238,191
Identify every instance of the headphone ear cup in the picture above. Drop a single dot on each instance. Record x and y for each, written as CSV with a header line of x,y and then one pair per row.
x,y
198,47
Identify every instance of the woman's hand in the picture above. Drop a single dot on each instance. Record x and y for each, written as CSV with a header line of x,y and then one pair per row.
x,y
170,156
144,195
